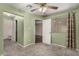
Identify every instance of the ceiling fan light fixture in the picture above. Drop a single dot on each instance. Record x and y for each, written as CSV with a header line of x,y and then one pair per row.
x,y
42,9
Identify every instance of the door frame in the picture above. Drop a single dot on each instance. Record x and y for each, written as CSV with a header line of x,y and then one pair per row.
x,y
16,30
42,30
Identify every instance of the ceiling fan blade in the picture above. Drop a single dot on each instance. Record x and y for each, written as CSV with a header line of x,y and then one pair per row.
x,y
41,4
37,4
34,10
52,7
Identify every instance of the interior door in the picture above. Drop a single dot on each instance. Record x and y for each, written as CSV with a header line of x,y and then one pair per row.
x,y
47,31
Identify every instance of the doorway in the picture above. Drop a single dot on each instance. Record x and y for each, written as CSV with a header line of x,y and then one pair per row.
x,y
9,29
43,31
38,31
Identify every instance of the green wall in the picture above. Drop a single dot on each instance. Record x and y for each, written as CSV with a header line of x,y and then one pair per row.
x,y
20,31
77,28
13,10
61,38
26,32
1,36
29,28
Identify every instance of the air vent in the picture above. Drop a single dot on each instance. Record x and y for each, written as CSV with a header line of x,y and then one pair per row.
x,y
29,6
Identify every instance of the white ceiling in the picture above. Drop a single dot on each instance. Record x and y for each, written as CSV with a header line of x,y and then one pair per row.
x,y
61,7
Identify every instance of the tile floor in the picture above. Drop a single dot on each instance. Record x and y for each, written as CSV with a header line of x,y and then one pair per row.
x,y
38,49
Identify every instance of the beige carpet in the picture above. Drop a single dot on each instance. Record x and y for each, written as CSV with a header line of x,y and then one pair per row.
x,y
38,49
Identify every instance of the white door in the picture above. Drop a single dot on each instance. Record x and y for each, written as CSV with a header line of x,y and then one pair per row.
x,y
47,31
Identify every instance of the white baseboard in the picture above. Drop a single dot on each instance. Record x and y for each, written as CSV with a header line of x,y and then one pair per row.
x,y
25,45
64,46
59,45
20,44
28,45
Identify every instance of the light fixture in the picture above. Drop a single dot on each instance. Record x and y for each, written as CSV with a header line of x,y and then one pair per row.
x,y
42,9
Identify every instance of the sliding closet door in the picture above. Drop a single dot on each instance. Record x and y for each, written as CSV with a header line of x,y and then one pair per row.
x,y
59,30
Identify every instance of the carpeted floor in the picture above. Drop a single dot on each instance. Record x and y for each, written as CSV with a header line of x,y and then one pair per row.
x,y
38,49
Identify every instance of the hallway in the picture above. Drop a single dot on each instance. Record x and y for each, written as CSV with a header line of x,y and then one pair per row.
x,y
38,49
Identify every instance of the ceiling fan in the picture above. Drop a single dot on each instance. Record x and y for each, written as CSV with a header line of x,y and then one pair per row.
x,y
43,7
